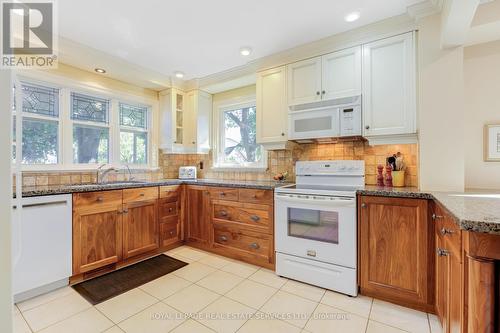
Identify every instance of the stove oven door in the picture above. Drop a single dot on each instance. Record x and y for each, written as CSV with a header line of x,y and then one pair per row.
x,y
317,227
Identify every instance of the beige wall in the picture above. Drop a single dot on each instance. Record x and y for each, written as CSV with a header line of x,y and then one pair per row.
x,y
482,102
440,111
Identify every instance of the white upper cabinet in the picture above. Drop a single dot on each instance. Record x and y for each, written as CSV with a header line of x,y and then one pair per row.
x,y
185,121
272,110
304,81
389,101
334,75
341,74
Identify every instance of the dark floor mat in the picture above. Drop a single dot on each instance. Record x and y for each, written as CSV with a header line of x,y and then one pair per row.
x,y
113,284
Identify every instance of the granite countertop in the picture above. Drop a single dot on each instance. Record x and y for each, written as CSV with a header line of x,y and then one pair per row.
x,y
32,191
474,210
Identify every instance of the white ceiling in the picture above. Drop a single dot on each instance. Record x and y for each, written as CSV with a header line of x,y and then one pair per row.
x,y
202,37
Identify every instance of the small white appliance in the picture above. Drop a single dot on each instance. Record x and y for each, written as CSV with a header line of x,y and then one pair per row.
x,y
41,245
315,225
187,172
325,119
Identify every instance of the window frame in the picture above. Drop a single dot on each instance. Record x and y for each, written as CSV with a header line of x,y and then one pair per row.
x,y
66,123
28,115
219,137
132,129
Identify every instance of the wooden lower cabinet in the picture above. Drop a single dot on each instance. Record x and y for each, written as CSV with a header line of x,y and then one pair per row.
x,y
449,285
198,222
97,231
112,229
140,227
236,223
395,262
170,213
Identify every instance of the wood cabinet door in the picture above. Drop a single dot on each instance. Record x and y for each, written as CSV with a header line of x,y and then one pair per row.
x,y
198,214
389,102
394,241
442,282
304,81
140,227
272,109
97,237
341,73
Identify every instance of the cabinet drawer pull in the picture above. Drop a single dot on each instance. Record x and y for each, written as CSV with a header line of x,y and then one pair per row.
x,y
223,213
222,194
317,93
170,209
223,238
442,252
171,233
141,194
363,205
125,211
99,199
445,231
255,218
254,246
435,217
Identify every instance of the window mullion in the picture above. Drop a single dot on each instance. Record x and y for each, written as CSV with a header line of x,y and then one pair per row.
x,y
114,132
67,128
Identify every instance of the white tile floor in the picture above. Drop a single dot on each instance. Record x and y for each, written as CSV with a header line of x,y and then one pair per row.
x,y
217,294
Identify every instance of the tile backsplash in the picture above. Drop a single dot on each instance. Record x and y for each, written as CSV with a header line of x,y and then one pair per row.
x,y
278,161
284,160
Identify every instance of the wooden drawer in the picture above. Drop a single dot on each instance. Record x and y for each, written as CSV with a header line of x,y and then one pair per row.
x,y
236,239
169,233
256,196
140,194
224,193
95,199
170,193
167,208
250,216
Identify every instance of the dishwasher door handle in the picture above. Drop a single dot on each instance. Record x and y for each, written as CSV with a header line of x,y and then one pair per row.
x,y
39,204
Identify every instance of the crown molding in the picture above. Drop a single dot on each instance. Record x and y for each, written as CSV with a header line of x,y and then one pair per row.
x,y
425,8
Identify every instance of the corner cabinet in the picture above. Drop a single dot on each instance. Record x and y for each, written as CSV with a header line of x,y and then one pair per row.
x,y
331,76
394,243
185,121
272,110
389,90
198,216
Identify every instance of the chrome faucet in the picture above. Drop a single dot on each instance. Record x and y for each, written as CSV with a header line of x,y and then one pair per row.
x,y
102,174
130,177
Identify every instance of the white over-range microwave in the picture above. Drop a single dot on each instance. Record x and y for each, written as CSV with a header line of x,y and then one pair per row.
x,y
326,119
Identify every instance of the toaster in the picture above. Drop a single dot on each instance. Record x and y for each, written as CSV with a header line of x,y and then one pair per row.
x,y
187,172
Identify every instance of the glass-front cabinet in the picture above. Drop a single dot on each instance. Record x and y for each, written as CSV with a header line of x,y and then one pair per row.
x,y
185,120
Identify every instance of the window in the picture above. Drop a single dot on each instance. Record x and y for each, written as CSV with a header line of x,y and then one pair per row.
x,y
90,129
66,129
40,120
133,134
237,145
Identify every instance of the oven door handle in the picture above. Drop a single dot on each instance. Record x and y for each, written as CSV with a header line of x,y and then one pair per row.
x,y
339,202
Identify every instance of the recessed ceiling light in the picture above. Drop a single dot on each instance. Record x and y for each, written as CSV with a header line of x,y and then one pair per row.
x,y
351,17
100,70
179,75
245,51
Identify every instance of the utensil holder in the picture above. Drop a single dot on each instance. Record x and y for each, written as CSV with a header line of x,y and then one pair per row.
x,y
398,178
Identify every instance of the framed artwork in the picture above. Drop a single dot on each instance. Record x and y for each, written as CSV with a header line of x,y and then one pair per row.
x,y
492,143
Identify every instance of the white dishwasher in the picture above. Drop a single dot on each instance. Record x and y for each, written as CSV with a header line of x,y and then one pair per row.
x,y
41,245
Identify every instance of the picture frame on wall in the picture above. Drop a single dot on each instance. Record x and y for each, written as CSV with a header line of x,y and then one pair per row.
x,y
492,143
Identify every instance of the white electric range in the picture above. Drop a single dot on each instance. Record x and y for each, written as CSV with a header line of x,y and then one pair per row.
x,y
315,225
